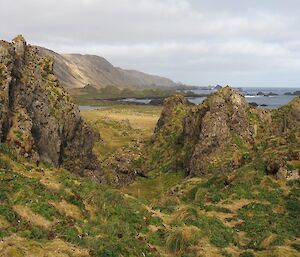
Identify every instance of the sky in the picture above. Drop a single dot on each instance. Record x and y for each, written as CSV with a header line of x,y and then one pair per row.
x,y
236,42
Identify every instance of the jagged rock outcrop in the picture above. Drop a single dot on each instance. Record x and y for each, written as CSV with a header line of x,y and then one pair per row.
x,y
37,116
170,105
220,120
286,117
219,134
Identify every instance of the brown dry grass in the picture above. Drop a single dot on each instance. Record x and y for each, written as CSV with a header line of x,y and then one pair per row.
x,y
120,125
206,249
3,223
139,117
50,182
220,215
238,204
91,210
280,251
14,246
70,210
35,219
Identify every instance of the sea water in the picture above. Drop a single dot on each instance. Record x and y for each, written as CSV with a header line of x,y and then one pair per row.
x,y
250,94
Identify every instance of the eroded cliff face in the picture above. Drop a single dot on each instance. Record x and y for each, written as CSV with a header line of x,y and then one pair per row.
x,y
37,116
219,134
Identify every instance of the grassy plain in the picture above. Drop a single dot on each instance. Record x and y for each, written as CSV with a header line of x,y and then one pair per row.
x,y
120,125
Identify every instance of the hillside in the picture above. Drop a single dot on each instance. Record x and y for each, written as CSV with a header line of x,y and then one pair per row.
x,y
217,179
77,71
49,211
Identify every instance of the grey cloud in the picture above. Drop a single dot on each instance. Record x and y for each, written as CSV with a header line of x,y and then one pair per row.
x,y
199,42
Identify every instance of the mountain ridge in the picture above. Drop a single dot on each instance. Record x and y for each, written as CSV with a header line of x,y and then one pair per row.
x,y
78,70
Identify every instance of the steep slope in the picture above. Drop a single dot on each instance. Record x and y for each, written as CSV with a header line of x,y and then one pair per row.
x,y
51,212
64,69
76,71
38,117
147,79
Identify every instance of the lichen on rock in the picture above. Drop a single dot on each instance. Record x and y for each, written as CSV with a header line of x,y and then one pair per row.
x,y
37,116
221,134
222,120
170,105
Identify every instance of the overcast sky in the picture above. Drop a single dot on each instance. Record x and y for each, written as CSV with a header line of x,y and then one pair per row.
x,y
236,42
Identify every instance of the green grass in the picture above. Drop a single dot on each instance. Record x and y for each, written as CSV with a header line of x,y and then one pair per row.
x,y
46,210
158,238
242,212
154,187
178,242
119,220
247,254
296,246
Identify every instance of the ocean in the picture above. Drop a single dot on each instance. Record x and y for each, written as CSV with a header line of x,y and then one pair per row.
x,y
250,93
271,102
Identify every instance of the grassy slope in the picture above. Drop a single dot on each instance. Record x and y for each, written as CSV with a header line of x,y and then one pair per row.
x,y
255,213
42,207
242,214
247,214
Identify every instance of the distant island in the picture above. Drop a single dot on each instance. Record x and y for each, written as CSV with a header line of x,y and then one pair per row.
x,y
293,93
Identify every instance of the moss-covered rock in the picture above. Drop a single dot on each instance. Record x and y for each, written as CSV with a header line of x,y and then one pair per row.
x,y
221,134
170,105
37,116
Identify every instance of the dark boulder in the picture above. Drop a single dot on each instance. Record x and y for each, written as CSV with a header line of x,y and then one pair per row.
x,y
208,134
157,101
253,104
